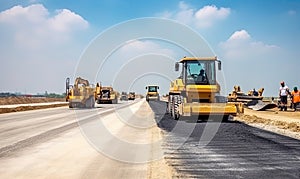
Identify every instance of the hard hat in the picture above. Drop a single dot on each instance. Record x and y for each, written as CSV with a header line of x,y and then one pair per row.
x,y
295,88
282,82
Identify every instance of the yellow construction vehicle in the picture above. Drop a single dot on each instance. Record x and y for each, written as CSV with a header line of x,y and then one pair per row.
x,y
106,94
124,96
238,96
81,94
131,96
196,91
152,92
68,93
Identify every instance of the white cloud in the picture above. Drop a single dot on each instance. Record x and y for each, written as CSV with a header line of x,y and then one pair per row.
x,y
31,26
253,63
208,15
17,15
66,21
239,35
182,5
140,47
212,12
240,45
38,45
185,15
204,17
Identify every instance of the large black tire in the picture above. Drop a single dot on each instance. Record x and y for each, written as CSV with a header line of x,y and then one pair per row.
x,y
170,105
225,118
98,101
90,103
175,107
115,101
93,102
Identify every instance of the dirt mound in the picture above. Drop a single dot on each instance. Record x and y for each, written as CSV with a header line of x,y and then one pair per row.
x,y
27,100
292,126
26,108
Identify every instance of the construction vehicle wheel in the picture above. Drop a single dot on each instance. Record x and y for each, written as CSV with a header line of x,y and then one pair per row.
x,y
170,105
87,103
93,102
90,103
98,101
225,118
115,101
175,110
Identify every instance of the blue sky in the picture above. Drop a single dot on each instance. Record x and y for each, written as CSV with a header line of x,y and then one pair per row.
x,y
42,40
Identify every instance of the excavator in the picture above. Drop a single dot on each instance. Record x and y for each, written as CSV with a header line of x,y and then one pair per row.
x,y
196,91
81,94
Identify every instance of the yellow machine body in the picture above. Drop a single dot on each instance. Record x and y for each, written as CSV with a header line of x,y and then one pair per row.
x,y
131,96
152,92
81,94
190,95
106,94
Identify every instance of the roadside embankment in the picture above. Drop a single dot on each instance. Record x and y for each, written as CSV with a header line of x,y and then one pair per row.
x,y
282,122
16,104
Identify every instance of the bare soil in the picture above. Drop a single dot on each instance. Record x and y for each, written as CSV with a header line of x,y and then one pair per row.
x,y
283,122
27,100
26,108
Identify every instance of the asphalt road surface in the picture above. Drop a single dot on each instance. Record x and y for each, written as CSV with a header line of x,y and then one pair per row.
x,y
234,150
123,141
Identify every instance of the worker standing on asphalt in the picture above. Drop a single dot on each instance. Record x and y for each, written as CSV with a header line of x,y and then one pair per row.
x,y
283,93
295,98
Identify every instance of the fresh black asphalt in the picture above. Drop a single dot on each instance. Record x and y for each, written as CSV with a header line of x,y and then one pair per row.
x,y
235,150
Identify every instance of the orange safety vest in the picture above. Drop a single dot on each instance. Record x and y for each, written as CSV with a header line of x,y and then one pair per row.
x,y
296,96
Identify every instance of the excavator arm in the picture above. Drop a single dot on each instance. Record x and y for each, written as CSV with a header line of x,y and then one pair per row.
x,y
81,81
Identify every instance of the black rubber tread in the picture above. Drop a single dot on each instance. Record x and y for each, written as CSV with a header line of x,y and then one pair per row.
x,y
176,107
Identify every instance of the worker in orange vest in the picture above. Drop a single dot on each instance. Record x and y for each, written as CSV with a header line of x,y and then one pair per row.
x,y
295,98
